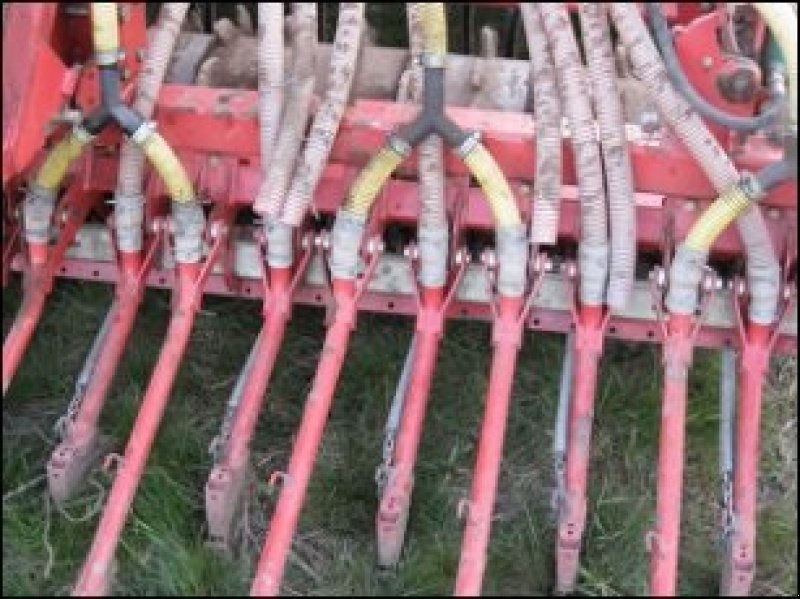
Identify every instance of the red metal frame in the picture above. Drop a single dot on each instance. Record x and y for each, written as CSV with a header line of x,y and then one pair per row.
x,y
294,482
392,516
215,133
226,480
95,577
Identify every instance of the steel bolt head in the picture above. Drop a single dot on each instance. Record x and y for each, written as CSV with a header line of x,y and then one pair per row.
x,y
649,121
707,62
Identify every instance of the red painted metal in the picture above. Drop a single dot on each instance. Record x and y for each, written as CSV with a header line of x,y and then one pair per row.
x,y
70,461
294,482
95,577
226,480
392,517
222,122
590,326
540,319
507,334
664,539
43,262
740,559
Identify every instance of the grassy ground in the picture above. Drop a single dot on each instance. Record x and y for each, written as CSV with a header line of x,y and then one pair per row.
x,y
163,552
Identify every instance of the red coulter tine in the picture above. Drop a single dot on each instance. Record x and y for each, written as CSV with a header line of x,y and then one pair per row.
x,y
590,325
70,461
664,539
269,572
226,480
756,344
510,316
392,516
42,264
95,577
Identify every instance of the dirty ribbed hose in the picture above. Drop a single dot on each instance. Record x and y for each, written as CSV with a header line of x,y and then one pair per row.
x,y
763,271
273,189
129,196
344,55
575,99
432,233
547,119
613,142
270,77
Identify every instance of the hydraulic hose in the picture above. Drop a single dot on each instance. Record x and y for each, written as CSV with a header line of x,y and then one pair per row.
x,y
346,44
272,193
58,161
763,271
614,145
350,222
494,185
105,32
129,196
575,98
188,217
547,120
434,32
37,209
663,38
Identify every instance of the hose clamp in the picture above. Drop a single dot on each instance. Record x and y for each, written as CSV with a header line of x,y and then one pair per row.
x,y
143,133
750,187
83,135
108,58
432,61
399,145
468,145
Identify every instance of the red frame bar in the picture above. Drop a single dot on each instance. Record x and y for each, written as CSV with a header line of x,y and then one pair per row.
x,y
95,575
590,325
40,271
507,335
269,572
392,516
71,460
664,539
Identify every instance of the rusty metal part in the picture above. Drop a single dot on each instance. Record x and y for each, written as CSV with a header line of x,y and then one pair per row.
x,y
234,65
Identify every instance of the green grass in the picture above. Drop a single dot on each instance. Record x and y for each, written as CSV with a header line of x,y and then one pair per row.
x,y
162,550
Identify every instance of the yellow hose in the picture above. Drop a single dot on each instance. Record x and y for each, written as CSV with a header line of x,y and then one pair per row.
x,y
495,187
434,28
370,181
59,159
105,29
782,22
169,168
725,209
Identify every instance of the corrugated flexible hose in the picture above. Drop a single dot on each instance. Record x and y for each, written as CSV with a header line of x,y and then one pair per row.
x,y
272,193
129,196
547,120
763,271
614,145
344,55
575,99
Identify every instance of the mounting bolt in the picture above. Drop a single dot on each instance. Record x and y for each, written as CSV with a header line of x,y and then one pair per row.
x,y
140,54
690,205
488,258
707,62
649,121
